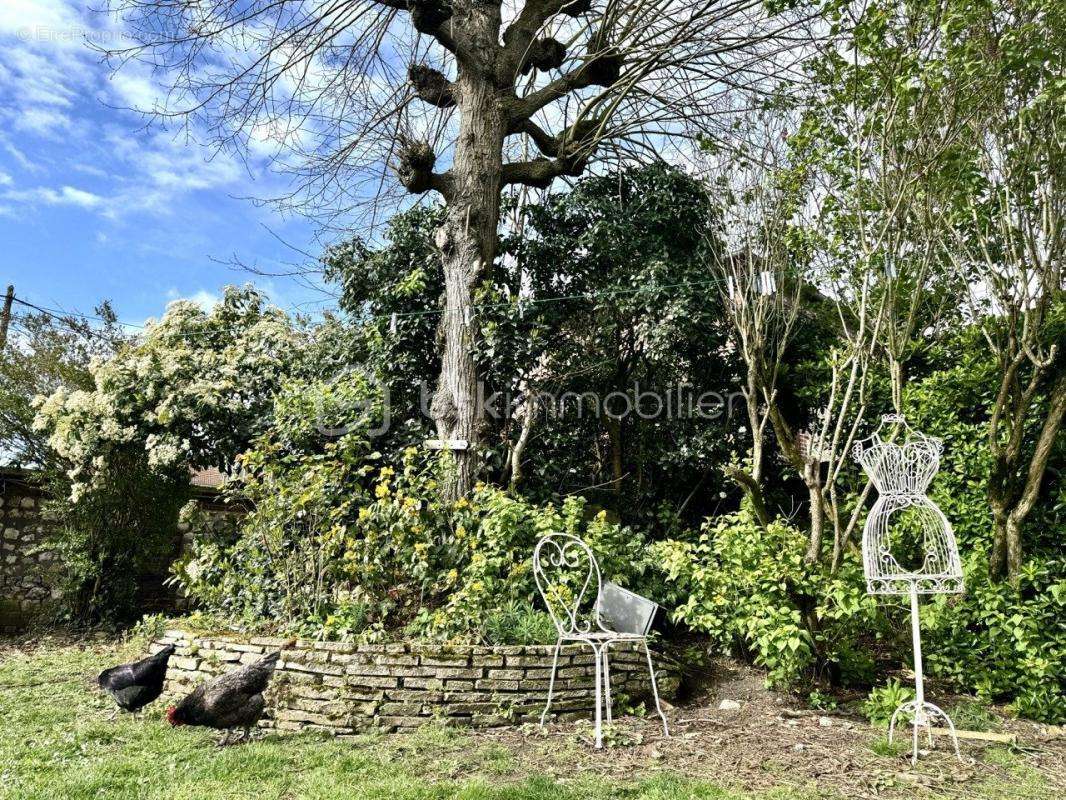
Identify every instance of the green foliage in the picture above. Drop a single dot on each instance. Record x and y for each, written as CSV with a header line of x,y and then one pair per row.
x,y
893,749
340,543
749,587
883,701
518,622
146,630
630,250
1002,642
114,538
973,715
43,354
191,393
401,276
821,701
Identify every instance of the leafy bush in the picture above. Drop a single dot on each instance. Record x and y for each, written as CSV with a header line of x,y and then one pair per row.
x,y
342,542
749,588
1001,642
113,537
191,392
518,622
492,536
822,701
1004,643
883,701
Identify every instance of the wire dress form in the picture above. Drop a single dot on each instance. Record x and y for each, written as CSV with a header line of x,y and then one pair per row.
x,y
908,547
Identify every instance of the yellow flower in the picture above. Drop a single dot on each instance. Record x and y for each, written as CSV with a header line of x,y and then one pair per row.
x,y
381,490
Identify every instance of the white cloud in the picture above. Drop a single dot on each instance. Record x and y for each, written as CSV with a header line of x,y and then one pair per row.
x,y
203,298
25,162
5,179
54,89
64,196
29,19
42,121
135,89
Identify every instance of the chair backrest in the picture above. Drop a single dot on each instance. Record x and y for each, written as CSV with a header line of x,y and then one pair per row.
x,y
568,579
623,611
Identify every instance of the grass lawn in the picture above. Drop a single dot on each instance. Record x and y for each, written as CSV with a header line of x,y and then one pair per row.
x,y
56,741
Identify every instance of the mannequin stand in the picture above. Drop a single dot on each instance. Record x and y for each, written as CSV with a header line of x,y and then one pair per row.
x,y
922,714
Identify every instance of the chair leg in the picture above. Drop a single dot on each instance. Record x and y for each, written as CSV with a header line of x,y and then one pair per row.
x,y
607,681
598,661
655,689
551,682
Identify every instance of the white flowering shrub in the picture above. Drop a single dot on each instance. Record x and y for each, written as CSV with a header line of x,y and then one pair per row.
x,y
192,392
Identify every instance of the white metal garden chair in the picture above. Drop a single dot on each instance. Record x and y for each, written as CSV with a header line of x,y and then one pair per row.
x,y
566,571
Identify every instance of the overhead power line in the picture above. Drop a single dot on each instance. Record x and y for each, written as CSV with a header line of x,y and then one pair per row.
x,y
520,303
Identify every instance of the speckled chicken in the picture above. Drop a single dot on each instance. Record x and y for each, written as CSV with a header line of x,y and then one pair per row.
x,y
229,702
133,686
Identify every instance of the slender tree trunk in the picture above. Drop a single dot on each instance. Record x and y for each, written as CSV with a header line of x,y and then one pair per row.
x,y
1010,513
997,559
813,478
614,433
529,409
467,242
753,489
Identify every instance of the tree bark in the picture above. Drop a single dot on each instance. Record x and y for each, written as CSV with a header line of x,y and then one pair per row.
x,y
1010,512
812,476
753,489
467,241
529,415
614,434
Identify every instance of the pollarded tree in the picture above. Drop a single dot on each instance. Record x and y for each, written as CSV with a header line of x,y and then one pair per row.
x,y
356,92
1009,242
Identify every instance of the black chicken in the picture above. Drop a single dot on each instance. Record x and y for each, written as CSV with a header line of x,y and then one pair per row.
x,y
230,701
133,686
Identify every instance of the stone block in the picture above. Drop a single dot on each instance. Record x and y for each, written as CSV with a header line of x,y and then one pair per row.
x,y
397,709
467,709
274,642
423,683
472,673
494,685
506,674
454,684
445,660
377,682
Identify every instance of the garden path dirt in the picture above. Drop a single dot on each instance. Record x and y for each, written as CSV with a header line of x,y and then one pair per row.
x,y
774,740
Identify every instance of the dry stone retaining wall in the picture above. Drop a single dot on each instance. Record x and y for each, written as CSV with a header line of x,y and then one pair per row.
x,y
344,688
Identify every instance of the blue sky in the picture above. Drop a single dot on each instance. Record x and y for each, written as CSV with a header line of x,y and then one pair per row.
x,y
94,206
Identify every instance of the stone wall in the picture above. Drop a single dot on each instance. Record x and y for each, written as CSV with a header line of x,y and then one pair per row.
x,y
26,566
344,688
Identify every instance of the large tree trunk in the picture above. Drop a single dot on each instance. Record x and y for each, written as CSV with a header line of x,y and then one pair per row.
x,y
468,241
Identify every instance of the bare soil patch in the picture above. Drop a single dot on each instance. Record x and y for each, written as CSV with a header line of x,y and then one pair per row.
x,y
774,740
